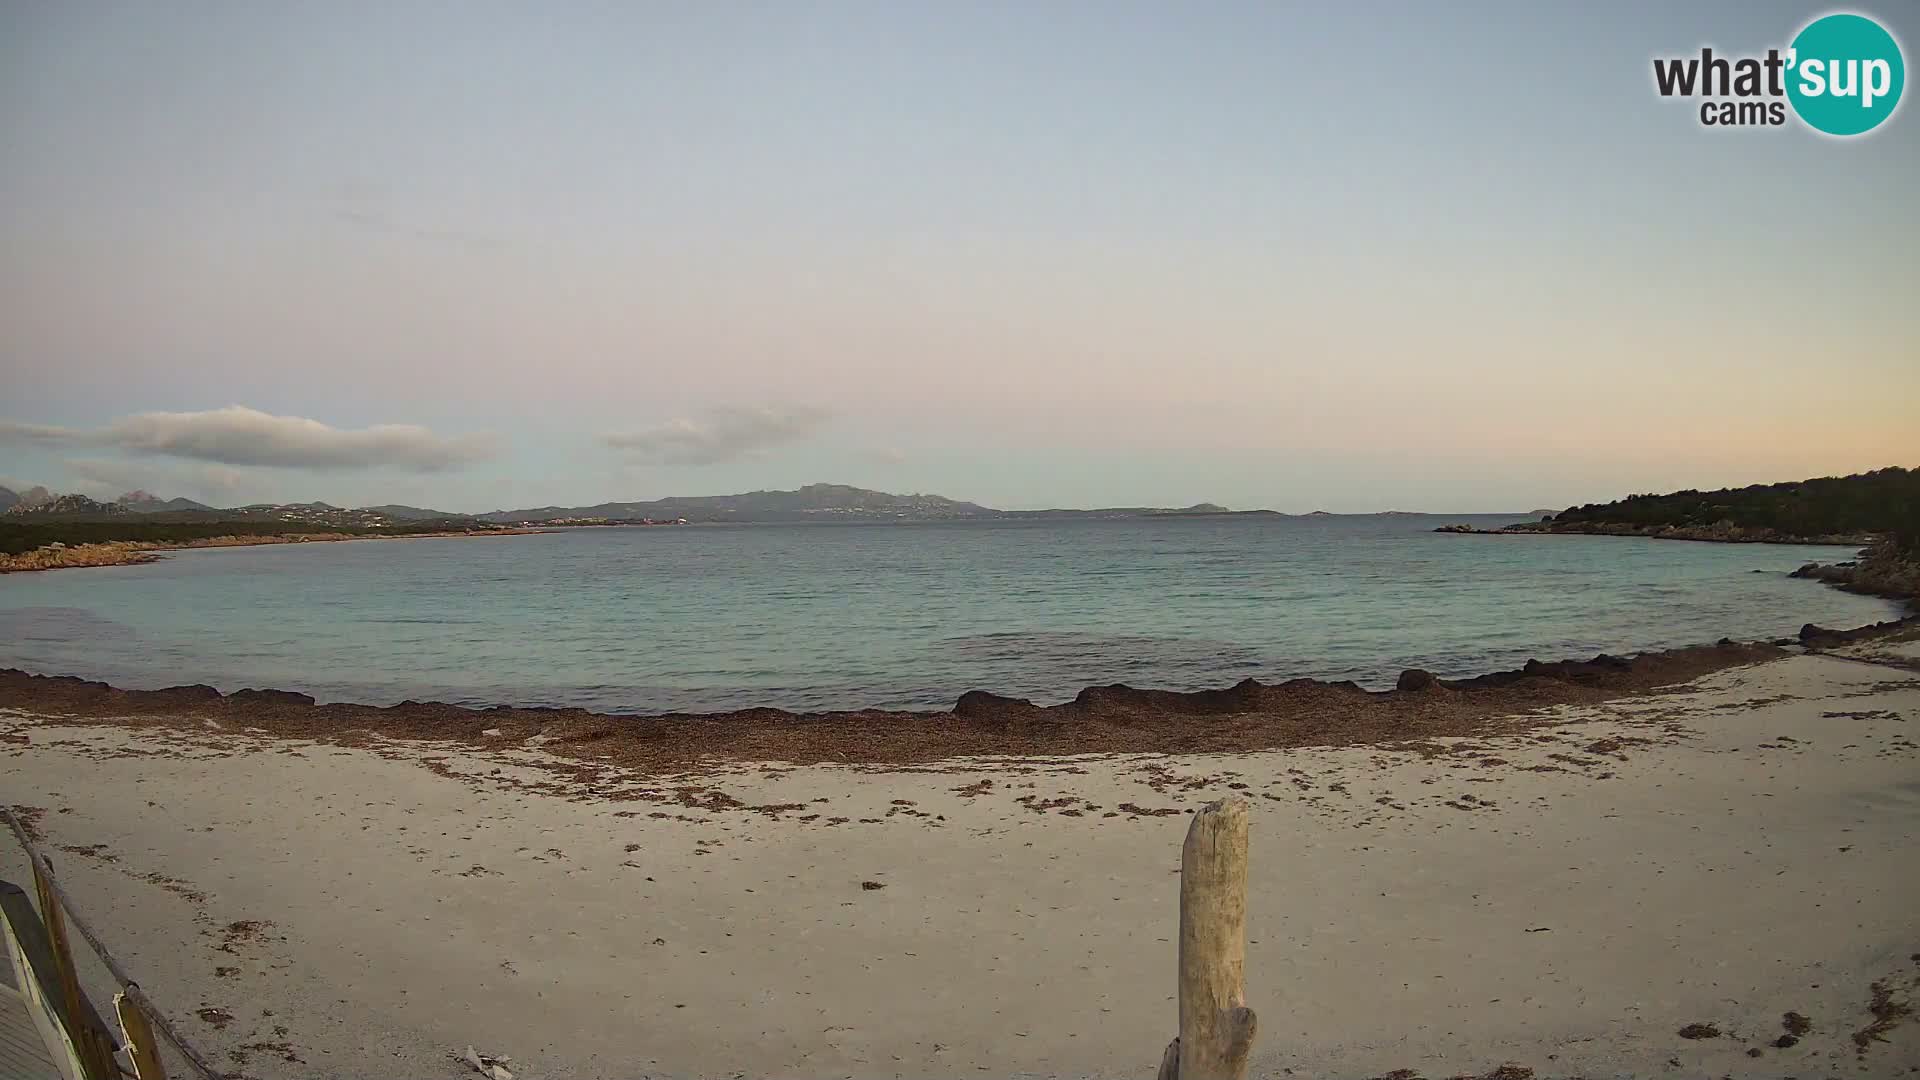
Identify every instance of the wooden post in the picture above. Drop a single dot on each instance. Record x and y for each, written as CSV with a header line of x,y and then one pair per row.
x,y
96,1055
1216,1027
139,1039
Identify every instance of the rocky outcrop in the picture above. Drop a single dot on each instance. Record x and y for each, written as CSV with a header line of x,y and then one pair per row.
x,y
64,557
1817,637
1880,571
1722,533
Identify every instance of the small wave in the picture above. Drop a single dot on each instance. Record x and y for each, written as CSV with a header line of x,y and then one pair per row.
x,y
61,624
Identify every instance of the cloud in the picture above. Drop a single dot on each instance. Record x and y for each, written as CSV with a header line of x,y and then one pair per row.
x,y
887,455
726,434
237,435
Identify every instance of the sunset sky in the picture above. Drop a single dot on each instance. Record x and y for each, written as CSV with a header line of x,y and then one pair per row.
x,y
1352,257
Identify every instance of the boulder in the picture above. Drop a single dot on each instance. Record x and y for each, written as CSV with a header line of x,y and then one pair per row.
x,y
192,694
1416,679
270,697
976,704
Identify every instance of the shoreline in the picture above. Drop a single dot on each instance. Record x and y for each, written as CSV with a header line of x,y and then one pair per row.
x,y
141,552
1247,717
1696,534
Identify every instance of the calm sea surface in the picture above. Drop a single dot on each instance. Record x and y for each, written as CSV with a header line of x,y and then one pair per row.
x,y
843,616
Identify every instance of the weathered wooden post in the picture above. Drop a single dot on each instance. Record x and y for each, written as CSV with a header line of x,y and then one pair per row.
x,y
1216,1027
92,1047
138,1033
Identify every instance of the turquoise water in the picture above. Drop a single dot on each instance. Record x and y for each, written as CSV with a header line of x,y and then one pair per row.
x,y
908,616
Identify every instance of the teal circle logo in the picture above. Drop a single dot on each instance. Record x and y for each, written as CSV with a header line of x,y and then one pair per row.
x,y
1845,74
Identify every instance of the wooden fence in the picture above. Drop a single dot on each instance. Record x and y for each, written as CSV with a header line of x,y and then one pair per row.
x,y
80,1043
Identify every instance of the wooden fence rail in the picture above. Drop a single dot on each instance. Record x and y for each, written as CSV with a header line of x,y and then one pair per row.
x,y
93,1045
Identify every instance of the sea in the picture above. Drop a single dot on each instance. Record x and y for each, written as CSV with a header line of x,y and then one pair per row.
x,y
898,616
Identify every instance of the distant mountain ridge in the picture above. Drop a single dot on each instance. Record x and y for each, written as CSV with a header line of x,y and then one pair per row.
x,y
141,502
813,502
23,500
819,502
64,506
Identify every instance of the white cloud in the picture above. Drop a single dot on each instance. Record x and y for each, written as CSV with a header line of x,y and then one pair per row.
x,y
726,434
237,435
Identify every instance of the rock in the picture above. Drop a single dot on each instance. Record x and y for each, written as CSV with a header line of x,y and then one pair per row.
x,y
270,697
975,704
1416,679
185,695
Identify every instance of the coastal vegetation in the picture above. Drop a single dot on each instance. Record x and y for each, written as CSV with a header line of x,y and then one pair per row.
x,y
1881,503
1878,511
18,537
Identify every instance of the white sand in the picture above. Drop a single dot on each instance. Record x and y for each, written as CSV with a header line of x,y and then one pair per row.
x,y
1567,921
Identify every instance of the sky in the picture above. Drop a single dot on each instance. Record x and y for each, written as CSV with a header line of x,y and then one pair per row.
x,y
1352,257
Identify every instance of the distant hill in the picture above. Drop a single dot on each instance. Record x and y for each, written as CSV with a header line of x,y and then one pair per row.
x,y
65,506
815,502
319,513
401,512
141,502
818,502
306,516
33,496
1196,510
315,506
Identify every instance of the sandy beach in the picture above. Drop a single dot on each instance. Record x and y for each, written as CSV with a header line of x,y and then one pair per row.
x,y
1563,894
